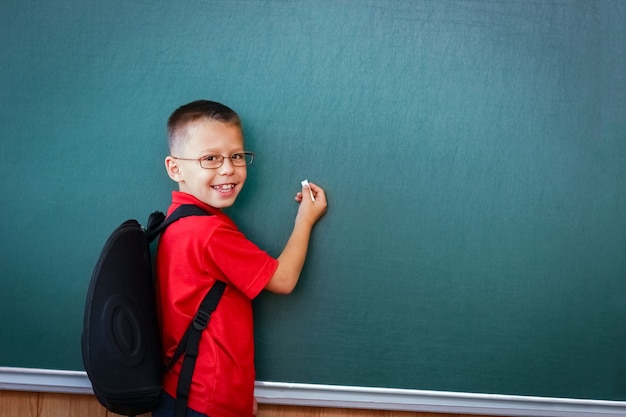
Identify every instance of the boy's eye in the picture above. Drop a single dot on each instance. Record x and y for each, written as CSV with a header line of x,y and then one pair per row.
x,y
237,156
211,158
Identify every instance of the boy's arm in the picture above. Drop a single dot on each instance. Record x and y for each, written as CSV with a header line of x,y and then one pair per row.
x,y
291,260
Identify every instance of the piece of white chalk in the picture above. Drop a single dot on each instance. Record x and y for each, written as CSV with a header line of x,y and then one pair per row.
x,y
305,183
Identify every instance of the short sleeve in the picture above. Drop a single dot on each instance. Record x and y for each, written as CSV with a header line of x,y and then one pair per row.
x,y
242,262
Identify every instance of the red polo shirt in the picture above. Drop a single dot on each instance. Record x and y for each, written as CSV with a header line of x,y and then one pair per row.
x,y
192,253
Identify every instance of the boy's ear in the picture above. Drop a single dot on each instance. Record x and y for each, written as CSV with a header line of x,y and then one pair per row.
x,y
173,169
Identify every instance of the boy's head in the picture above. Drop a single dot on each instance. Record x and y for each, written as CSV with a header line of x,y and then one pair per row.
x,y
207,157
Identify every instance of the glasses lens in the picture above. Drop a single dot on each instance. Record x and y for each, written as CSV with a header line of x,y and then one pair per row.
x,y
242,159
211,161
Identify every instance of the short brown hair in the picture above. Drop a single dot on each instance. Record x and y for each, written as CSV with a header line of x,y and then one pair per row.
x,y
189,113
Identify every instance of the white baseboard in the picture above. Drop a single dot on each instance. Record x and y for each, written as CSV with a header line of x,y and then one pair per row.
x,y
76,382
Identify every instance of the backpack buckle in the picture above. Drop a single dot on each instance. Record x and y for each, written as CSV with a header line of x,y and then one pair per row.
x,y
201,320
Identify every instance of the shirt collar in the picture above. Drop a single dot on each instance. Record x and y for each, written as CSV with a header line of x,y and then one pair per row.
x,y
179,198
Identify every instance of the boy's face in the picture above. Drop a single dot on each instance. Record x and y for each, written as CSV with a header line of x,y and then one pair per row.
x,y
217,187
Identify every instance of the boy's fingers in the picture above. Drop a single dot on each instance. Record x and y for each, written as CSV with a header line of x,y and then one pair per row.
x,y
318,191
314,187
312,191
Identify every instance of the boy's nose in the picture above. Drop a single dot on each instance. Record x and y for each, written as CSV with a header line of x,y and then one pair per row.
x,y
227,166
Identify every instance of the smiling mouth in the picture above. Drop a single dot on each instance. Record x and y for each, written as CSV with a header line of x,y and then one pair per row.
x,y
224,188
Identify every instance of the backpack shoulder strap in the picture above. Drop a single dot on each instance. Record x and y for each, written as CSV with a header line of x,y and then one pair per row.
x,y
189,345
158,222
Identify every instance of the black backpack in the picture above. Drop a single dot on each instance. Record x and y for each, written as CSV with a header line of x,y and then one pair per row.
x,y
121,343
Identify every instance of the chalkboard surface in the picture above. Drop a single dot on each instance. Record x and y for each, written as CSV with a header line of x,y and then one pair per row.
x,y
473,153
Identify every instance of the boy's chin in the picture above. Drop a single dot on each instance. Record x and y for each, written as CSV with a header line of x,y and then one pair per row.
x,y
217,200
223,206
221,203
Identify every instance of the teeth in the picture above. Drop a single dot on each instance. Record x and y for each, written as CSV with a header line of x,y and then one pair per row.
x,y
225,187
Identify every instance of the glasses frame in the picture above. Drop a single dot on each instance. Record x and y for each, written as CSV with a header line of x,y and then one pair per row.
x,y
222,158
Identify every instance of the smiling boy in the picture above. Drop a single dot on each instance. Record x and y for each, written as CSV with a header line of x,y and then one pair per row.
x,y
209,162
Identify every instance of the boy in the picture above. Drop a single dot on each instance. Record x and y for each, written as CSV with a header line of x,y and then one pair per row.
x,y
208,161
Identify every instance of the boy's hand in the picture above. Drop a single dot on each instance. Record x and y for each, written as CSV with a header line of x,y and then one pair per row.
x,y
313,203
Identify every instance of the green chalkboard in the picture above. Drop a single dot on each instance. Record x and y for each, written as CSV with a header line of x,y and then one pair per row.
x,y
473,153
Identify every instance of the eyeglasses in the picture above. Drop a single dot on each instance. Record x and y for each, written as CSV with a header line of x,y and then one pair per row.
x,y
238,159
